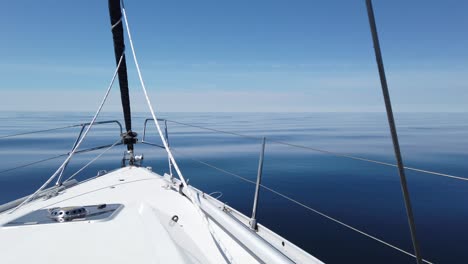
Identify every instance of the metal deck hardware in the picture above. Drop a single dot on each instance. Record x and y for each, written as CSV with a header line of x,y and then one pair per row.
x,y
253,219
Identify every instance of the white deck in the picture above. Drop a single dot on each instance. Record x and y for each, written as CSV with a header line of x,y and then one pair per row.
x,y
142,232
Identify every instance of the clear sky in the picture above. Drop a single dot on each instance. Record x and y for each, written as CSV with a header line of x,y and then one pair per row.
x,y
240,55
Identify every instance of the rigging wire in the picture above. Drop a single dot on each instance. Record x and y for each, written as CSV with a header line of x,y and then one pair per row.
x,y
299,203
336,154
70,155
54,157
93,160
39,131
33,163
214,130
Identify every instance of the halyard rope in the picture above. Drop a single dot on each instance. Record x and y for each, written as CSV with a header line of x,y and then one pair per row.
x,y
78,144
166,146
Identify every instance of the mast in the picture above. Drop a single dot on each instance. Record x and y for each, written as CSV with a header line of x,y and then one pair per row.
x,y
393,132
129,138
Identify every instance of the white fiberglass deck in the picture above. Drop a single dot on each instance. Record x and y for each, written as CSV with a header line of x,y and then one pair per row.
x,y
141,232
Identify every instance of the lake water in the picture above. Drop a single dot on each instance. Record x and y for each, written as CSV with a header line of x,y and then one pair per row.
x,y
364,195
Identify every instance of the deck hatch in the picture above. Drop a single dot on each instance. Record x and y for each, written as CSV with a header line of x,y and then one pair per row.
x,y
99,212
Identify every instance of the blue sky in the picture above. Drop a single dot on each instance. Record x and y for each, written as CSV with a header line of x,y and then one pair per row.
x,y
281,56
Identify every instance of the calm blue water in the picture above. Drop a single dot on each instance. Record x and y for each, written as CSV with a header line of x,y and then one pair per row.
x,y
366,196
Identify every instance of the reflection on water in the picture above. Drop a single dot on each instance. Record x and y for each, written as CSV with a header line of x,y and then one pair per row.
x,y
366,196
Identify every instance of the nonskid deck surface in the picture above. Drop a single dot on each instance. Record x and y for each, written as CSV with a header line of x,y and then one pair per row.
x,y
142,231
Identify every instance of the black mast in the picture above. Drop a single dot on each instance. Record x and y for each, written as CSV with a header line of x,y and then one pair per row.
x,y
119,49
393,132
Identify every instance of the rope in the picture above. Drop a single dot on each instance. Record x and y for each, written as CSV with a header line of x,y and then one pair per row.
x,y
301,204
166,146
38,131
116,23
77,145
336,154
93,160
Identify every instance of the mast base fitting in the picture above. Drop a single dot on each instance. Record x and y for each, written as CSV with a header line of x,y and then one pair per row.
x,y
129,138
133,160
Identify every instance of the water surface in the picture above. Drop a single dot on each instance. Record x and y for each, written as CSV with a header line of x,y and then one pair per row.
x,y
364,195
